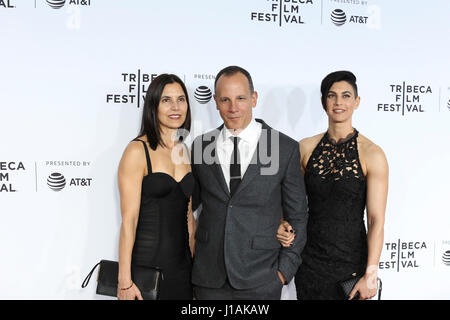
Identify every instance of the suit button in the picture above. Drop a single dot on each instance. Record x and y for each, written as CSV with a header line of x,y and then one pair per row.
x,y
231,207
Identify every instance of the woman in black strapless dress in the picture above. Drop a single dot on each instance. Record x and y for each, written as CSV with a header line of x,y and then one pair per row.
x,y
345,173
156,185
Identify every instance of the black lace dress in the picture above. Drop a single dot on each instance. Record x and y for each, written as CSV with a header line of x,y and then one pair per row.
x,y
336,244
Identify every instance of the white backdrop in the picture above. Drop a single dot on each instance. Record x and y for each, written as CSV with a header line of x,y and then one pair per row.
x,y
71,87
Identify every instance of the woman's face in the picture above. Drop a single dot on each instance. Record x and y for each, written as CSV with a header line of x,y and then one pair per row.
x,y
341,102
172,107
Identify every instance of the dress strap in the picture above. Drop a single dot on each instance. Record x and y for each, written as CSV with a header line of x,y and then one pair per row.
x,y
147,156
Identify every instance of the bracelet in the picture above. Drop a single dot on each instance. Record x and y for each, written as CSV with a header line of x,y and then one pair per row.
x,y
128,287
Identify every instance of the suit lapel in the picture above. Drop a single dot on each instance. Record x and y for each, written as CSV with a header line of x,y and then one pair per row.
x,y
216,167
218,173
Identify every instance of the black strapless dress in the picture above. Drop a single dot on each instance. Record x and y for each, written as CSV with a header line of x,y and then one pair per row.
x,y
336,245
162,237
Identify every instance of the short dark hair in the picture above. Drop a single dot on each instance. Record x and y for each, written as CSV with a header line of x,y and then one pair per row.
x,y
150,126
231,70
333,77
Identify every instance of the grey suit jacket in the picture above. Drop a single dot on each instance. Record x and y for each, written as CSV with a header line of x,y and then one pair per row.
x,y
236,236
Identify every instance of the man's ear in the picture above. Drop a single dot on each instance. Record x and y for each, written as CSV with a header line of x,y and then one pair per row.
x,y
254,98
215,99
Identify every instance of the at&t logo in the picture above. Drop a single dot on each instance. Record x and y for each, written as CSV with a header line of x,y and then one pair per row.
x,y
203,94
446,258
339,18
57,182
56,4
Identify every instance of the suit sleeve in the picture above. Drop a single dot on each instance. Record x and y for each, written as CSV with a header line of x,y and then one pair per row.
x,y
295,212
196,198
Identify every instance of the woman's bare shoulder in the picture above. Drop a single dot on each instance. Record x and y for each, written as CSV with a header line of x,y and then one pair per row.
x,y
310,143
368,146
133,155
372,154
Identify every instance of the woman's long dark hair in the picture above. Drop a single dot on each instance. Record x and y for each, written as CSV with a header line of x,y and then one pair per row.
x,y
150,126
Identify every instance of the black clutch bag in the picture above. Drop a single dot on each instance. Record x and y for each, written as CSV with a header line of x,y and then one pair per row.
x,y
348,285
147,279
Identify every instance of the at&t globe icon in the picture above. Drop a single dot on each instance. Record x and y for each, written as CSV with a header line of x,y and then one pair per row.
x,y
203,94
56,4
56,181
446,258
338,17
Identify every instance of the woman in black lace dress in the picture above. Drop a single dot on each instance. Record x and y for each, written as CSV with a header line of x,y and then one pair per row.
x,y
345,173
156,184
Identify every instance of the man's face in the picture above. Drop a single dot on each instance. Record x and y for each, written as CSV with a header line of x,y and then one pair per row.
x,y
235,101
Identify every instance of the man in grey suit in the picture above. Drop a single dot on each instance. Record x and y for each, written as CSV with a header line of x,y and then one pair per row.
x,y
248,178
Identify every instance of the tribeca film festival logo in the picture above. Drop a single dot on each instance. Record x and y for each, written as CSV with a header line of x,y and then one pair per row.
x,y
403,255
282,12
406,98
6,171
7,4
57,181
136,85
58,4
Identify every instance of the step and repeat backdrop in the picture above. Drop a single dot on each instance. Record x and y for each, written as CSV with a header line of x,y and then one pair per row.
x,y
73,76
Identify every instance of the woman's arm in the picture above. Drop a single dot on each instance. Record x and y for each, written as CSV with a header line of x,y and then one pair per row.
x,y
131,172
377,189
285,233
191,228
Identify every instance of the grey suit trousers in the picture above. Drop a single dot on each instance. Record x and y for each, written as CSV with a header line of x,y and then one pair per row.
x,y
268,291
